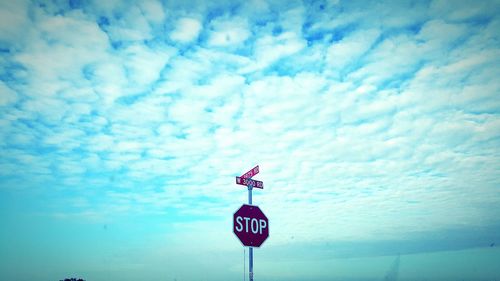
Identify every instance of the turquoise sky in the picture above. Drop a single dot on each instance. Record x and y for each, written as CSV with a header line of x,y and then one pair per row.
x,y
123,124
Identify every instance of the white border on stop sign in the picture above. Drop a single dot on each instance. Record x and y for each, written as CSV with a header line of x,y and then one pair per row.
x,y
232,226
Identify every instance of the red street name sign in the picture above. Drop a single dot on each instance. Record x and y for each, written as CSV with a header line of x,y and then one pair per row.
x,y
247,182
251,173
250,225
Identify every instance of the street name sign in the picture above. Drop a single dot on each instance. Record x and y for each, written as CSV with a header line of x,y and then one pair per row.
x,y
250,225
249,182
251,173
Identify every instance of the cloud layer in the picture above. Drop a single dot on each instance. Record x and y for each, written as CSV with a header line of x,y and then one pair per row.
x,y
376,123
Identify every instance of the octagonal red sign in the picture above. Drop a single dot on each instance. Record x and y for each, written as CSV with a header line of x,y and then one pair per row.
x,y
250,225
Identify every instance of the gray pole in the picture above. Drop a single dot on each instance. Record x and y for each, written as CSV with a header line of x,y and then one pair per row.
x,y
250,251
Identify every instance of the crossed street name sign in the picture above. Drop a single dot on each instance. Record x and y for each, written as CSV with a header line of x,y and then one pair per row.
x,y
246,180
250,224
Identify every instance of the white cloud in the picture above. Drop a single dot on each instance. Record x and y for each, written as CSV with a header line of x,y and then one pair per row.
x,y
7,95
401,55
350,49
146,112
13,21
109,78
131,25
228,32
292,20
439,35
144,64
257,7
100,143
50,110
153,11
269,49
462,10
186,30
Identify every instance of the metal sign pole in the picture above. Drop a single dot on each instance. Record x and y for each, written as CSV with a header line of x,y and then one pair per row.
x,y
250,251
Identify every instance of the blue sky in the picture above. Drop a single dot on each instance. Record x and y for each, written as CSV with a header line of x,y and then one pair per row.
x,y
376,126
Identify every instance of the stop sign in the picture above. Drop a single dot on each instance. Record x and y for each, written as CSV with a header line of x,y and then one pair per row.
x,y
250,225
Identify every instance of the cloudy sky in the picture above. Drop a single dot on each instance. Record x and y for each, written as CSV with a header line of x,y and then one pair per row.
x,y
376,126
